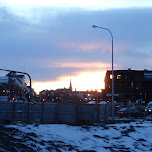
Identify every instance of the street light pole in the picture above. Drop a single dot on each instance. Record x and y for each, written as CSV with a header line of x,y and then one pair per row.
x,y
94,26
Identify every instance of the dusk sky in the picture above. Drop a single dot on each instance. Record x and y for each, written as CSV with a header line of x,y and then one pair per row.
x,y
54,41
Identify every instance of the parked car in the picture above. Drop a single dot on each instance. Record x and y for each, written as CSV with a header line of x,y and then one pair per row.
x,y
103,103
148,109
117,108
91,102
130,112
124,112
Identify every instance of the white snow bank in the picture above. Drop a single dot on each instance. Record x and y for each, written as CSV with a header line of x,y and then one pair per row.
x,y
134,136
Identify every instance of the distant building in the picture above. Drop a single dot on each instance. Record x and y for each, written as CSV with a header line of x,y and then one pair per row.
x,y
70,88
129,85
88,95
14,85
19,80
66,95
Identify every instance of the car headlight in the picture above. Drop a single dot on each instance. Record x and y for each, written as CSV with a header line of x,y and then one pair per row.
x,y
145,109
149,110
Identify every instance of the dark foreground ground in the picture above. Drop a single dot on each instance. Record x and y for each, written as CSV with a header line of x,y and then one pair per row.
x,y
124,137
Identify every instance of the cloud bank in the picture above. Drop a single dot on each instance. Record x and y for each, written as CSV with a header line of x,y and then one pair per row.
x,y
52,42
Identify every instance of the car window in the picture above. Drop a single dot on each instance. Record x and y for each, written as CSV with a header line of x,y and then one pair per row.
x,y
123,109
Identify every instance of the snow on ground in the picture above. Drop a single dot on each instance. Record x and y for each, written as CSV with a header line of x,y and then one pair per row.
x,y
124,137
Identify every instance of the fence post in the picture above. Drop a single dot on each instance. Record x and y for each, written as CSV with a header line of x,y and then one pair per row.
x,y
98,113
106,113
56,120
28,112
42,113
93,114
75,115
13,111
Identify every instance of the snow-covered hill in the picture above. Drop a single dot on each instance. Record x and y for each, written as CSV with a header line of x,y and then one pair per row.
x,y
124,137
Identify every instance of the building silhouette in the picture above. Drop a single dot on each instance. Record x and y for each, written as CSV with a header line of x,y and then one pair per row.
x,y
70,87
14,85
129,85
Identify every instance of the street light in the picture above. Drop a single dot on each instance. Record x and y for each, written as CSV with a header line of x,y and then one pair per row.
x,y
94,26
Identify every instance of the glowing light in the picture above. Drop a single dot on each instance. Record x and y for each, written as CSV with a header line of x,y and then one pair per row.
x,y
83,81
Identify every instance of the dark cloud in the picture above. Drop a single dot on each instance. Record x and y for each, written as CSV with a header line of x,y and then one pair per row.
x,y
25,42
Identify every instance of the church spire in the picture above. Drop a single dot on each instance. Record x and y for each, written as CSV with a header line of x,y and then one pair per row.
x,y
70,88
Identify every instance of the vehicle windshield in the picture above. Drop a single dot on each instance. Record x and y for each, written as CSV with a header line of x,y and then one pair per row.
x,y
123,109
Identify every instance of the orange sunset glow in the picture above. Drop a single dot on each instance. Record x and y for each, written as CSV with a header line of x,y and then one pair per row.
x,y
76,75
83,81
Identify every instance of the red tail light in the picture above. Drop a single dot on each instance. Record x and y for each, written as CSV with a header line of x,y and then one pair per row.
x,y
121,111
13,98
117,111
